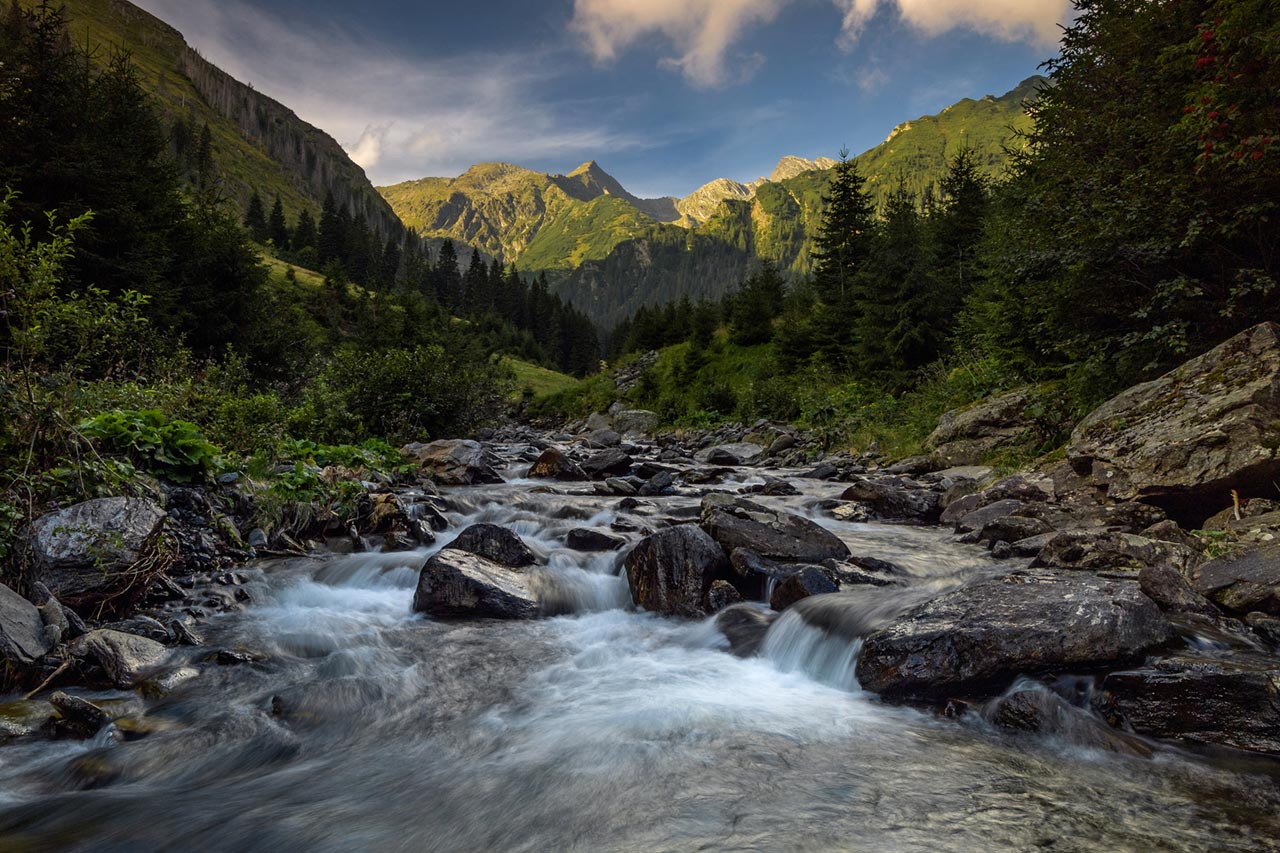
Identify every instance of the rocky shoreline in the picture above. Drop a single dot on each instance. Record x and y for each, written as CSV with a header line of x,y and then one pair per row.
x,y
1106,619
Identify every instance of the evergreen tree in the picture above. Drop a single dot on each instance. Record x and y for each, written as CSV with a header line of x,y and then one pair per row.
x,y
840,251
305,235
448,280
332,245
756,305
204,158
277,229
475,285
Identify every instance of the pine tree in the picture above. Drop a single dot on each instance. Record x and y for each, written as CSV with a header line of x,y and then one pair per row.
x,y
204,158
756,305
448,280
277,229
255,219
475,285
332,244
305,235
840,252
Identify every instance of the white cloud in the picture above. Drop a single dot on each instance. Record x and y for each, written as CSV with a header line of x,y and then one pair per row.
x,y
367,151
402,117
702,31
1036,21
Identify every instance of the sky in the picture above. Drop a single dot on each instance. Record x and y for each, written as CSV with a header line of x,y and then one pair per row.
x,y
665,94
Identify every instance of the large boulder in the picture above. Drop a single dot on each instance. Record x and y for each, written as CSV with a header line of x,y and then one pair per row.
x,y
773,534
896,499
1185,441
607,463
976,640
452,462
502,546
554,465
459,584
969,436
672,571
126,658
84,550
809,580
22,635
1212,701
1244,582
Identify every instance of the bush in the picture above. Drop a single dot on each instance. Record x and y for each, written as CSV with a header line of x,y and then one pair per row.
x,y
176,450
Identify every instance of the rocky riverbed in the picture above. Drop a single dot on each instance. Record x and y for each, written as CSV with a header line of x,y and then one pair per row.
x,y
605,640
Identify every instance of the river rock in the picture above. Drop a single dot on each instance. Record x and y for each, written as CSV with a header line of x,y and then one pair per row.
x,y
773,534
896,499
636,422
728,454
968,520
671,571
969,436
598,421
82,549
126,658
1038,709
554,465
452,462
1243,582
80,717
1169,589
460,584
744,626
602,438
975,640
589,541
809,580
607,463
1110,551
721,595
662,483
1186,440
23,639
1013,528
1213,701
502,546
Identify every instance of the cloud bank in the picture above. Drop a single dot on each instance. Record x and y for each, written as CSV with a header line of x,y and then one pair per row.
x,y
703,32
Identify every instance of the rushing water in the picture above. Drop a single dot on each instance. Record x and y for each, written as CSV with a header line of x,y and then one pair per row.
x,y
368,728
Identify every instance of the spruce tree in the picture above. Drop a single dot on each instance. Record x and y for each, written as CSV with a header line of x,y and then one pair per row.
x,y
333,232
277,229
304,235
448,279
840,251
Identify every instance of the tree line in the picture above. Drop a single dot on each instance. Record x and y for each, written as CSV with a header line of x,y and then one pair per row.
x,y
1137,225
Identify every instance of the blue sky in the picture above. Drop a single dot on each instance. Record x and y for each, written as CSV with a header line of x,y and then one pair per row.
x,y
665,94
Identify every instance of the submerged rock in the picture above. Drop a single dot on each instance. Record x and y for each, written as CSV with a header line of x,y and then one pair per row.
x,y
502,546
745,626
773,534
975,640
672,571
1184,441
456,583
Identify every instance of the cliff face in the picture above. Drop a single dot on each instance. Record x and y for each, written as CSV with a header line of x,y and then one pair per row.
x,y
315,160
259,145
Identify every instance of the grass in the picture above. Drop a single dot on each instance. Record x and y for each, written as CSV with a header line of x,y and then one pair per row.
x,y
542,381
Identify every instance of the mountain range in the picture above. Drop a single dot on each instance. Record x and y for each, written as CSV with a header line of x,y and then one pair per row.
x,y
603,248
609,252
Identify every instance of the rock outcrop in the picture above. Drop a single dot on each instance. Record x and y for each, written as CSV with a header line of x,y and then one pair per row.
x,y
453,462
1185,441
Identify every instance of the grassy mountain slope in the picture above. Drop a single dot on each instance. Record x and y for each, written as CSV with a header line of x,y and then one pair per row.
x,y
258,143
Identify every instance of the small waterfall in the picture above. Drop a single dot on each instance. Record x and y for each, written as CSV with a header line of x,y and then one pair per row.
x,y
793,645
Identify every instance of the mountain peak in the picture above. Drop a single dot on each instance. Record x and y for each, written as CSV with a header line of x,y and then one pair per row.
x,y
790,166
591,167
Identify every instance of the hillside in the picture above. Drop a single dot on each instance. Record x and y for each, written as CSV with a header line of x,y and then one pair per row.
x,y
258,144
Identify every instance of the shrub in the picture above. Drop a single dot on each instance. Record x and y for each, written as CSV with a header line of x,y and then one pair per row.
x,y
176,450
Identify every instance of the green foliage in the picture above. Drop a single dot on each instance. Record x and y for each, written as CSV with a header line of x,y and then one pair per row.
x,y
176,450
